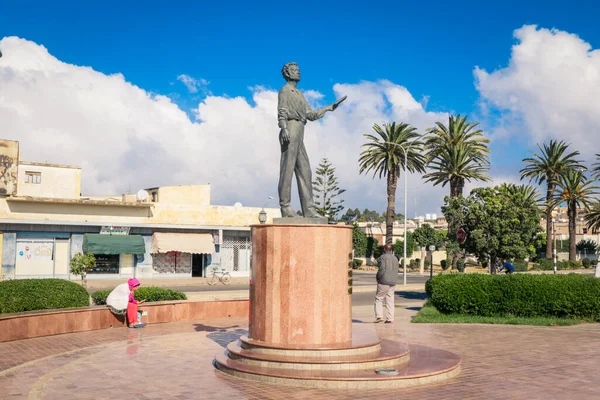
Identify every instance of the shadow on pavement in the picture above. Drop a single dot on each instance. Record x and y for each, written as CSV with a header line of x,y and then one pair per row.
x,y
223,338
412,295
208,328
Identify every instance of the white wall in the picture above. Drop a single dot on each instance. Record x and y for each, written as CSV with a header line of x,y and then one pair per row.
x,y
56,181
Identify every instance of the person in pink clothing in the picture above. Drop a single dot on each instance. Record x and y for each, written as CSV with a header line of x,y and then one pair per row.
x,y
132,306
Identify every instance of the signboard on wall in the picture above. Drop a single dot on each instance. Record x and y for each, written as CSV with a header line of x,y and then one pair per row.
x,y
114,230
35,250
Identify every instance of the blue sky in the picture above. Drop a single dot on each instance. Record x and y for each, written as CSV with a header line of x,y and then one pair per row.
x,y
431,48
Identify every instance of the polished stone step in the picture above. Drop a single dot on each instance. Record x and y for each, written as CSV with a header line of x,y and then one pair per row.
x,y
426,365
391,354
361,344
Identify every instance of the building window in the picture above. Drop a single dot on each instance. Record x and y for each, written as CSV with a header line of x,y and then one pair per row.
x,y
33,177
106,264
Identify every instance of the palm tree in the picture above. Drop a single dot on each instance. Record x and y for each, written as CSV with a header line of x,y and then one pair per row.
x,y
384,155
592,217
552,161
596,167
456,153
529,193
574,189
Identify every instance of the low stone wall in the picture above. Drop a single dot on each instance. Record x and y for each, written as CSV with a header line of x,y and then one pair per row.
x,y
55,322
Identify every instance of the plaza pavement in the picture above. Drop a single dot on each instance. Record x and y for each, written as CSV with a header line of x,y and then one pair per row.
x,y
173,361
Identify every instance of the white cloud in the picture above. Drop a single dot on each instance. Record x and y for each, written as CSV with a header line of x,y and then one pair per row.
x,y
549,90
124,136
193,84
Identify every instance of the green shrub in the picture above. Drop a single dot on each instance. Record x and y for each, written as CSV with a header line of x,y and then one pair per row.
x,y
520,265
427,264
429,287
544,264
520,295
445,264
460,265
99,297
586,262
356,263
359,241
378,252
41,294
566,265
150,294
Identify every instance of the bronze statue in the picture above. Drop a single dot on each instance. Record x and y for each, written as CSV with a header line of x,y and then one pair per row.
x,y
293,112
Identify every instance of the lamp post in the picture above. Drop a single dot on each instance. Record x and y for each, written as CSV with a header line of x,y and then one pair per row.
x,y
405,204
554,237
262,215
431,250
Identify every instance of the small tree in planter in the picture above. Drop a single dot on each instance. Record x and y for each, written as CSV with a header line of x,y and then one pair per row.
x,y
81,264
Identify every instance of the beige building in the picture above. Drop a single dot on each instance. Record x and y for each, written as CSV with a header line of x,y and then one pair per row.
x,y
171,231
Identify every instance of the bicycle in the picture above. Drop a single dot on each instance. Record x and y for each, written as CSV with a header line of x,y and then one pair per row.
x,y
225,278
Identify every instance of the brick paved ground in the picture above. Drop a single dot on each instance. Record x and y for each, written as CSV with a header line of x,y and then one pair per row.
x,y
173,361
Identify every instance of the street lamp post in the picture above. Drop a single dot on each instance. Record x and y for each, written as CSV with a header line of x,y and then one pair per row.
x,y
554,256
405,203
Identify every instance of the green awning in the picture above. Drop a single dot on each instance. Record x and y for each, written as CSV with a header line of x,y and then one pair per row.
x,y
113,244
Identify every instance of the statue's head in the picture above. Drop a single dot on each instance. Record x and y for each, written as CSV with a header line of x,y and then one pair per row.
x,y
291,72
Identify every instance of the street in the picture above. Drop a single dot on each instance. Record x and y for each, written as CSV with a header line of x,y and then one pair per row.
x,y
359,278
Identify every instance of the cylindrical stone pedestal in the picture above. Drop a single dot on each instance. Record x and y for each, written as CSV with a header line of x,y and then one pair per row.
x,y
301,276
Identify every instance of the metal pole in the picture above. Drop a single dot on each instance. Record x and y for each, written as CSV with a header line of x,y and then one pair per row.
x,y
405,209
554,251
430,264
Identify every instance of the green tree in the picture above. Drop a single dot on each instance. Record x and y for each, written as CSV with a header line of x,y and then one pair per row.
x,y
456,153
350,216
359,241
81,264
587,245
384,156
499,223
574,189
426,236
371,216
552,161
596,167
592,217
411,246
327,191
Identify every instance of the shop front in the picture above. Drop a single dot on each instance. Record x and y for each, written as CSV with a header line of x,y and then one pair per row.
x,y
116,255
42,255
181,254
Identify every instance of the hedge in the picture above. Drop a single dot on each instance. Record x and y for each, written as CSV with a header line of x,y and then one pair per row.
x,y
520,295
356,263
21,295
547,264
150,294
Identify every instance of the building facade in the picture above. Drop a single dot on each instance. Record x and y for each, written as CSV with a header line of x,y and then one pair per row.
x,y
170,231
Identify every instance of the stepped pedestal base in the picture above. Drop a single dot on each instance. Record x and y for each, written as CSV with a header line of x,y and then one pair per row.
x,y
349,367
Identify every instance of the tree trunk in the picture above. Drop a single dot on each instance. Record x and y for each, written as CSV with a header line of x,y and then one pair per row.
x,y
572,210
549,195
456,190
456,187
422,264
392,182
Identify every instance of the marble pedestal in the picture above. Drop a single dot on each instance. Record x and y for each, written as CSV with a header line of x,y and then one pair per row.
x,y
300,328
301,276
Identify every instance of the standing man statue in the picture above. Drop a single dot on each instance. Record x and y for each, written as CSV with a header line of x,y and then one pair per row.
x,y
292,112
